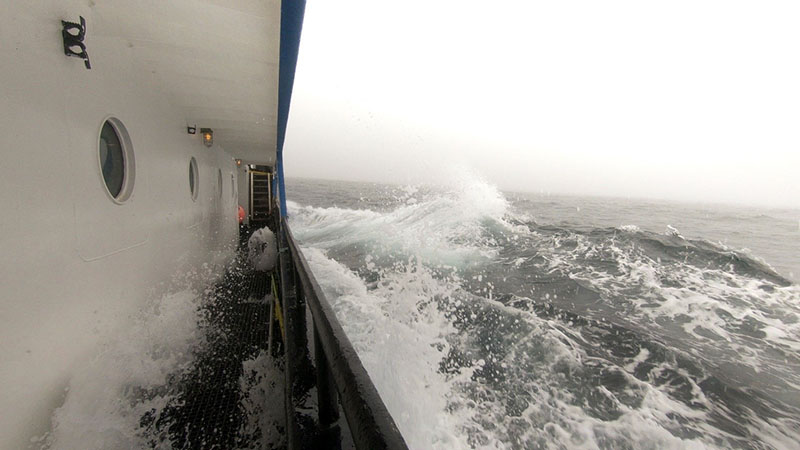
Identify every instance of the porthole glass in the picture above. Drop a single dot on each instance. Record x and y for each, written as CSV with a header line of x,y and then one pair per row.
x,y
219,182
193,178
116,160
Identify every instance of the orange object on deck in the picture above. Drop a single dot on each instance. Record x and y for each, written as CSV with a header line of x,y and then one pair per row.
x,y
241,215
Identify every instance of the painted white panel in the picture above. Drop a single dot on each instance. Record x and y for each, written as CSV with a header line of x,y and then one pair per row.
x,y
217,61
104,227
74,265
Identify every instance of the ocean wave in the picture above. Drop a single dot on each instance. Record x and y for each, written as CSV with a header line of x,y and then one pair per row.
x,y
485,329
445,225
459,370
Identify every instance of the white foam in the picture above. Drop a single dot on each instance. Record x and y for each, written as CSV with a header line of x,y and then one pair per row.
x,y
630,228
444,226
639,358
730,318
107,398
672,231
262,390
108,395
400,337
538,368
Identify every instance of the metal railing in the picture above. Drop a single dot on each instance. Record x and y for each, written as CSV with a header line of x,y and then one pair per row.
x,y
340,376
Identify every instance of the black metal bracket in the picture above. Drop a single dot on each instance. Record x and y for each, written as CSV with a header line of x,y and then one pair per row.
x,y
73,35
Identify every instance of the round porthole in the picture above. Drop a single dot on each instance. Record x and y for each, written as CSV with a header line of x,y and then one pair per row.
x,y
219,183
194,178
115,156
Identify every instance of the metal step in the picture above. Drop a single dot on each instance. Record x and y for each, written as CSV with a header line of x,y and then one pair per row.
x,y
259,195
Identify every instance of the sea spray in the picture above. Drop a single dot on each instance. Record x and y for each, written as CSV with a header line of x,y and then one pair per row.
x,y
107,397
401,338
262,391
499,331
133,375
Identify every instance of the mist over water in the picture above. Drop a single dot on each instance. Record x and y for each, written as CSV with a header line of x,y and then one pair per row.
x,y
492,320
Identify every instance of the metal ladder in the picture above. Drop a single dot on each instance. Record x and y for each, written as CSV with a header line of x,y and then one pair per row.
x,y
260,195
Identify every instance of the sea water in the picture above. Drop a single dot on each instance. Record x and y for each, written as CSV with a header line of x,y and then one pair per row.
x,y
511,320
503,320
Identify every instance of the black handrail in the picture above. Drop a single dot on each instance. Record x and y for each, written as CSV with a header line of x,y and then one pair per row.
x,y
370,423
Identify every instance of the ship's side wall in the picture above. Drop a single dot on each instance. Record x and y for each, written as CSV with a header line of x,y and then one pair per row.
x,y
75,265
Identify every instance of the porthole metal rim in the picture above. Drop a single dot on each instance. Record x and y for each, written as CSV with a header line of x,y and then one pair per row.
x,y
193,167
128,161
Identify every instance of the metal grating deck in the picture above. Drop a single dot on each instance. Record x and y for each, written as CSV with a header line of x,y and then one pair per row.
x,y
205,412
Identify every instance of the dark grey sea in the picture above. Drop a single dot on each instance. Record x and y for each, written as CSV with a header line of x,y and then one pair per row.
x,y
493,319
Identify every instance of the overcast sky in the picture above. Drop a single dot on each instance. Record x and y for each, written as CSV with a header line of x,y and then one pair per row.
x,y
688,100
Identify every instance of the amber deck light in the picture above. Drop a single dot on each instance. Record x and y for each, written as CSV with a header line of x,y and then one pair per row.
x,y
208,136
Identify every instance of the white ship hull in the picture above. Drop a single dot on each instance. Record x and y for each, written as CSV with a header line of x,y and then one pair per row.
x,y
74,264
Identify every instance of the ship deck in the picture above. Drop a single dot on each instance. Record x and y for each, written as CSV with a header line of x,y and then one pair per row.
x,y
207,410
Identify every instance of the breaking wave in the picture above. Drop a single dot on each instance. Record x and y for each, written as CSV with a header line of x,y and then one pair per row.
x,y
484,329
